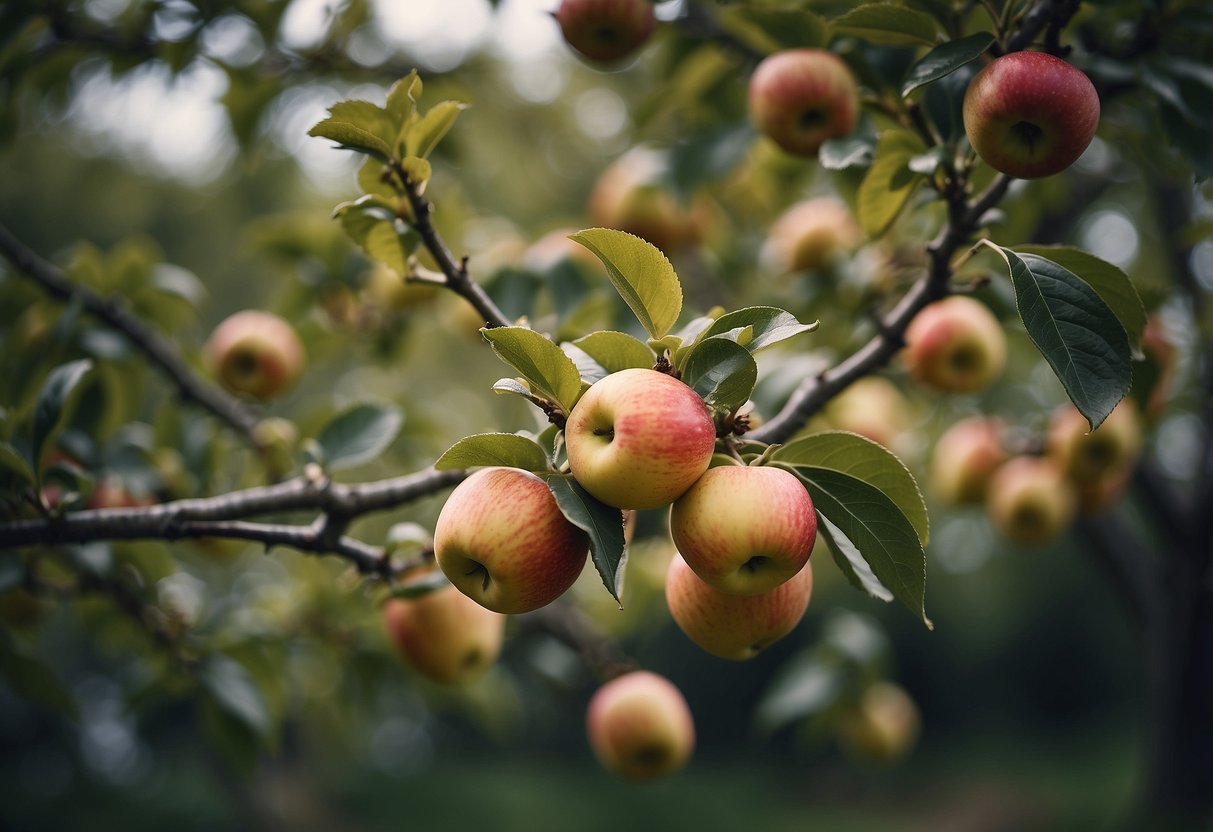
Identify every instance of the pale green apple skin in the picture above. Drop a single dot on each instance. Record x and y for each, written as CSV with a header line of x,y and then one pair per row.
x,y
735,627
965,458
955,345
503,542
1030,502
444,635
640,727
745,530
882,727
1030,114
255,353
802,97
638,439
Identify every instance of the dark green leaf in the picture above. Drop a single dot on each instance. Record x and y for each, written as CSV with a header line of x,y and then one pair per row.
x,y
854,151
773,29
549,372
851,563
767,324
1076,332
616,351
508,449
945,59
640,273
802,689
35,682
601,522
55,403
859,457
12,461
888,23
722,372
232,688
890,182
359,434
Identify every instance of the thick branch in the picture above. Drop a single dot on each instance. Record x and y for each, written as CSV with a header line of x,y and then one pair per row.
x,y
159,350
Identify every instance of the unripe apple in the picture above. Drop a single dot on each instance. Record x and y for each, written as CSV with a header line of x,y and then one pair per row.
x,y
630,196
606,30
735,627
874,408
639,439
255,353
964,459
801,97
640,727
883,725
1106,453
955,345
745,529
444,635
1030,501
811,234
1030,114
503,542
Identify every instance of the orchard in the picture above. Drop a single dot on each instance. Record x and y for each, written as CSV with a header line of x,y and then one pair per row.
x,y
546,414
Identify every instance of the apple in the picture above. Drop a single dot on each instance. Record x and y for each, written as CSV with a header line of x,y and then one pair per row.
x,y
1030,501
1030,114
606,30
734,627
955,345
111,492
810,235
873,407
631,196
802,97
745,529
639,439
444,635
1100,463
883,725
640,727
964,459
255,353
503,542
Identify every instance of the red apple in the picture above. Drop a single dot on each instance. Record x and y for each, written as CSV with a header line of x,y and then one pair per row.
x,y
735,626
744,529
639,439
955,345
640,727
811,234
503,542
1030,501
606,30
444,635
630,196
255,353
801,97
1030,114
964,459
1089,457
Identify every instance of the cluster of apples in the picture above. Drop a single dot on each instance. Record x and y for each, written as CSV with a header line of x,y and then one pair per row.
x,y
1032,499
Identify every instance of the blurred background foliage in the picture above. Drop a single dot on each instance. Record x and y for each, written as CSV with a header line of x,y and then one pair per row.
x,y
158,150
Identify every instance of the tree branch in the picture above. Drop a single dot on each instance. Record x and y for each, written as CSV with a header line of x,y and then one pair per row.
x,y
162,352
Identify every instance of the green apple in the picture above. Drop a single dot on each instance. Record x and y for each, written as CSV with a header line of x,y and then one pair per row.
x,y
255,353
639,439
606,30
882,726
874,408
802,97
503,542
1030,114
444,635
811,235
640,727
744,529
955,345
735,627
1030,501
964,459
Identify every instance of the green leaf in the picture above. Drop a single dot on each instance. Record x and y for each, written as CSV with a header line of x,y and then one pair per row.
x,y
359,434
360,126
12,461
640,273
232,688
773,29
179,283
945,59
845,152
370,180
402,98
549,372
601,522
512,386
35,682
722,372
878,530
1108,281
55,404
417,587
371,222
616,351
890,182
767,324
1076,332
422,137
507,449
851,563
888,23
859,457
